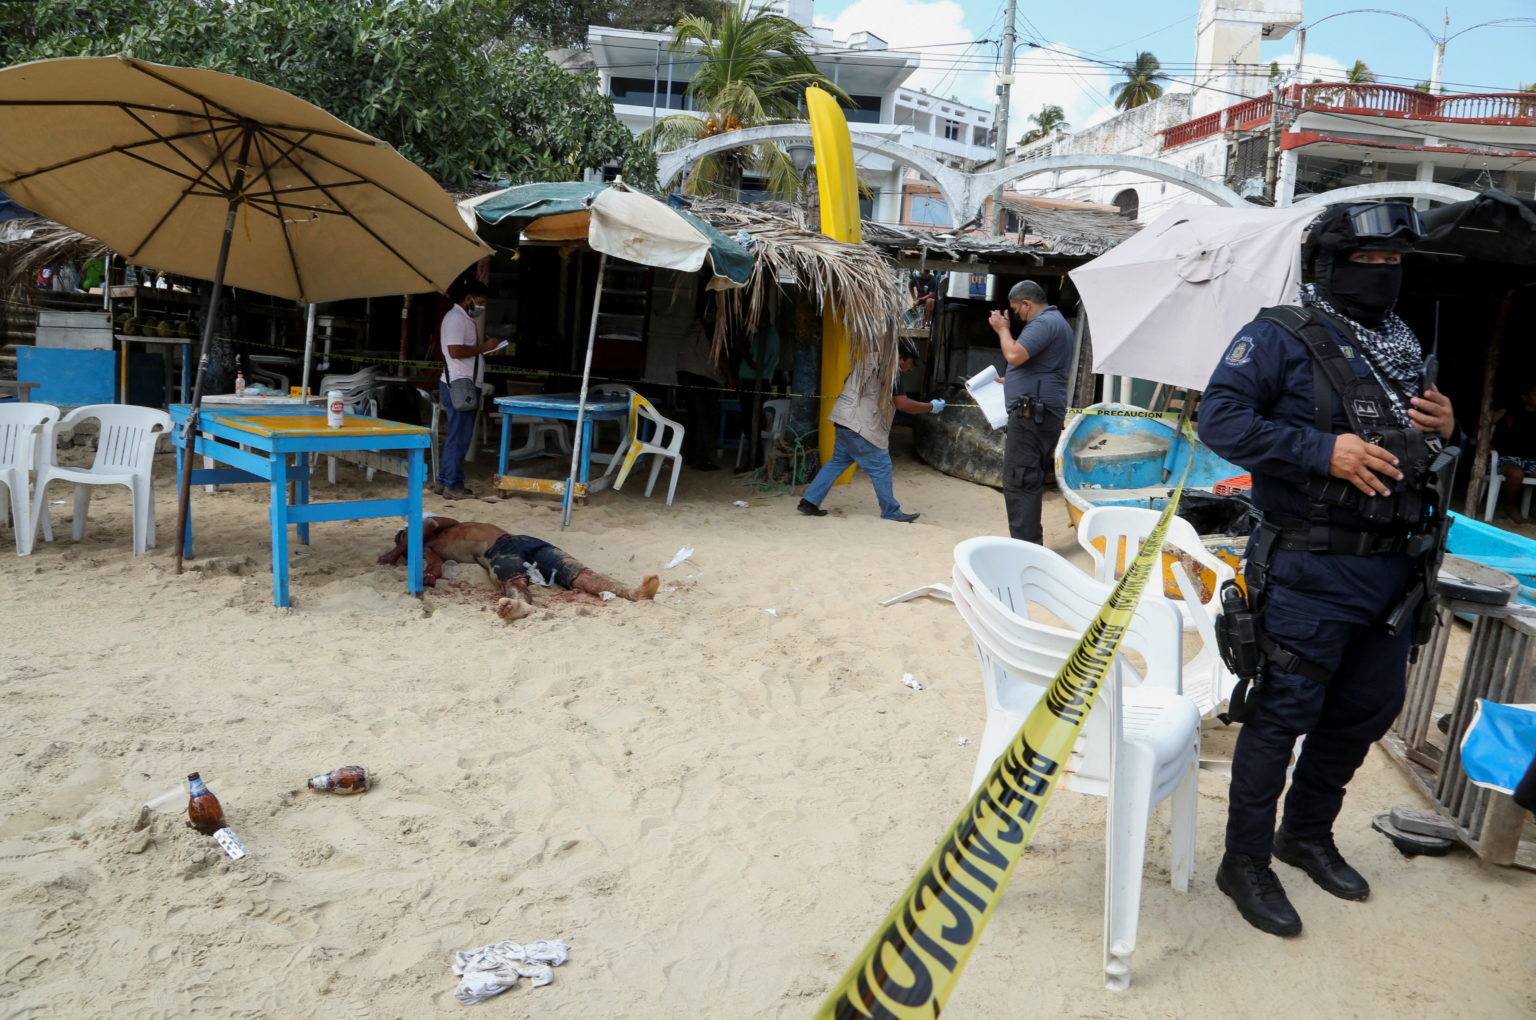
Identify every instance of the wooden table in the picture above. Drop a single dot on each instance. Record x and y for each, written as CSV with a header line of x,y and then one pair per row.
x,y
557,407
23,390
272,443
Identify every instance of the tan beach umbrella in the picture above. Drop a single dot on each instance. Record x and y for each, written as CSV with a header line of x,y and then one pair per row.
x,y
218,177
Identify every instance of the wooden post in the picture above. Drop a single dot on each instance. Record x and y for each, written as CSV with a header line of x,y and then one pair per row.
x,y
1485,411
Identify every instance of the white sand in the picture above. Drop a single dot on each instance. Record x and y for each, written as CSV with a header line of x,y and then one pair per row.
x,y
713,805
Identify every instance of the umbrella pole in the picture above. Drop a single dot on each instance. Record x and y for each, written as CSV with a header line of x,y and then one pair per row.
x,y
581,404
309,351
1190,396
190,428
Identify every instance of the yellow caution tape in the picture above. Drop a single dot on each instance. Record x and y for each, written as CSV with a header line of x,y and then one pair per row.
x,y
910,967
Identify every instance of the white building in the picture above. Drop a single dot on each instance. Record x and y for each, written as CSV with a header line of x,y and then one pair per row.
x,y
647,81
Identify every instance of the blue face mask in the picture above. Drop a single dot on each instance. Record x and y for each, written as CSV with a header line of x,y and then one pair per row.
x,y
475,311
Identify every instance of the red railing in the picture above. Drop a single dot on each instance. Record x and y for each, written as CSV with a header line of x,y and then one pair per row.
x,y
1504,108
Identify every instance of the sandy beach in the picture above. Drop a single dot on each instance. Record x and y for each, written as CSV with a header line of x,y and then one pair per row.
x,y
712,803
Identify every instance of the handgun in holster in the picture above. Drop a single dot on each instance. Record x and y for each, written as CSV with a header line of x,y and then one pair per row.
x,y
1237,638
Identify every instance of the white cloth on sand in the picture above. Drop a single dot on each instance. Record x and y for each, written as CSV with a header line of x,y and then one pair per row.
x,y
491,970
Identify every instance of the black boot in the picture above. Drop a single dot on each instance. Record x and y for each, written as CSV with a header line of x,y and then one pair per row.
x,y
810,509
1320,859
1256,890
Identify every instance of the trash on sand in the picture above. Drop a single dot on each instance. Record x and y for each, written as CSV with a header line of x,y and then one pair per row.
x,y
606,596
347,779
682,554
206,815
772,612
963,741
911,681
740,502
450,569
491,970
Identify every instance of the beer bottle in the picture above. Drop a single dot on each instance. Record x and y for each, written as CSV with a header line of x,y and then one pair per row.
x,y
203,810
347,779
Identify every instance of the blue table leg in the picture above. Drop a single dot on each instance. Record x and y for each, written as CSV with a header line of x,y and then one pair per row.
x,y
279,514
186,373
415,482
506,442
301,491
586,450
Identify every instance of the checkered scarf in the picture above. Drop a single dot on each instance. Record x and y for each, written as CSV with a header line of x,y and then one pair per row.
x,y
1393,352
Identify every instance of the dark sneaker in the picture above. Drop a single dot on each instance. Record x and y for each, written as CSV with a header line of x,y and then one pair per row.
x,y
1256,889
1320,859
458,494
436,488
810,509
905,518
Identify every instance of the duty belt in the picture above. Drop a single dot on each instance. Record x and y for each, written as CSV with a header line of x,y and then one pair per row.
x,y
1297,534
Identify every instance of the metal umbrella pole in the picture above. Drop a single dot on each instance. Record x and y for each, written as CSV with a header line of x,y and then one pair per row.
x,y
309,352
190,429
578,446
1190,397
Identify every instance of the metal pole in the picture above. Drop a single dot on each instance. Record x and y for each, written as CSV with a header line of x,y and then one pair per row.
x,y
655,85
309,351
190,429
581,404
1004,86
1272,157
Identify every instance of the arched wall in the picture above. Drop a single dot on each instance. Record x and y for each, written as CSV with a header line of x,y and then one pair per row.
x,y
1390,189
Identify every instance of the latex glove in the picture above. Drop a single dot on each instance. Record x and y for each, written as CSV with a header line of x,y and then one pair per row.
x,y
938,405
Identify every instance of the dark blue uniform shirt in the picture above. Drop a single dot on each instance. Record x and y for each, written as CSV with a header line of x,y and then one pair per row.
x,y
1258,412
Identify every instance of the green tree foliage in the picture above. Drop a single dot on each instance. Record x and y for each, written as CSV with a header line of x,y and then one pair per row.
x,y
1050,119
1141,83
431,77
1359,74
752,69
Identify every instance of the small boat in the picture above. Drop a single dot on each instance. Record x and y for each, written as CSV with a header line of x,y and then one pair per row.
x,y
1494,547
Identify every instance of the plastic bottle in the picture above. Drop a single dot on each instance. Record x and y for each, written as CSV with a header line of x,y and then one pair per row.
x,y
336,409
347,779
239,383
206,815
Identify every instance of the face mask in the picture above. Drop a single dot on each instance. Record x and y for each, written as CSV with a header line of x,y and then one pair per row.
x,y
475,311
1365,291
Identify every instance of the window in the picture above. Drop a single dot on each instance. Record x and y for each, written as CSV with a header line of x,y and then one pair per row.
x,y
928,209
952,130
866,110
639,92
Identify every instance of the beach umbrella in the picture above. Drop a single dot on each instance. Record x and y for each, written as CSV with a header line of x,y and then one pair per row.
x,y
619,222
1164,303
217,177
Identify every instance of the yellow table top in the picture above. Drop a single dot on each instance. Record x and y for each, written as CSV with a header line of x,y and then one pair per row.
x,y
314,425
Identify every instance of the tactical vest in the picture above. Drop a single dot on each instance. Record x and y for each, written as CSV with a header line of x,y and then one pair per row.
x,y
1369,410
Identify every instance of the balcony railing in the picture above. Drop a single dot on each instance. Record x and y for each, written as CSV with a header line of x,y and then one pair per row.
x,y
1499,108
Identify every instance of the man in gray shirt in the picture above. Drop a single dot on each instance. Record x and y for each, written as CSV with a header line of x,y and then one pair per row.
x,y
1035,389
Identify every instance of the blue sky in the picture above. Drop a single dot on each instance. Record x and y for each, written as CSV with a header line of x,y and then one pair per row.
x,y
1490,59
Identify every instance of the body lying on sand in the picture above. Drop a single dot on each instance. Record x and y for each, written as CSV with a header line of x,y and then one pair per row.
x,y
515,561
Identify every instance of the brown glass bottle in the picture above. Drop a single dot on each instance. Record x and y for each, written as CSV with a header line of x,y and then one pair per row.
x,y
203,809
347,779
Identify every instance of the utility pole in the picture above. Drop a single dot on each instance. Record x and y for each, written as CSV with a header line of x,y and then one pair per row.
x,y
1004,86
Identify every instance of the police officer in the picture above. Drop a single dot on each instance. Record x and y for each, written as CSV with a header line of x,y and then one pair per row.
x,y
1346,484
1035,389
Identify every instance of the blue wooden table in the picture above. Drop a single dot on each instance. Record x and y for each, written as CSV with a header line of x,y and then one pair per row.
x,y
557,407
271,435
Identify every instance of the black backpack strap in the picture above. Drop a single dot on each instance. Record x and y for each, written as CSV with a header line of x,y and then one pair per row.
x,y
1328,361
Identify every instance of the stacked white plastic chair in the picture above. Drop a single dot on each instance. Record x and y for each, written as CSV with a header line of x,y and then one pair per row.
x,y
774,420
360,394
1140,744
125,452
22,429
665,442
1112,535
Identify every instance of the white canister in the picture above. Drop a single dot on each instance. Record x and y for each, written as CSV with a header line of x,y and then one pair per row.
x,y
336,409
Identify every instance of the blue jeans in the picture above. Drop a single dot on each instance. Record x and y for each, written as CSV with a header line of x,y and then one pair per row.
x,y
852,448
461,429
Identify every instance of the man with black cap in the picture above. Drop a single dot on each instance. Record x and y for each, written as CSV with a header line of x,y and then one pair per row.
x,y
1333,408
862,417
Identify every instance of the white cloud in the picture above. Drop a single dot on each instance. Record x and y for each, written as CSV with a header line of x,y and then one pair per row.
x,y
911,23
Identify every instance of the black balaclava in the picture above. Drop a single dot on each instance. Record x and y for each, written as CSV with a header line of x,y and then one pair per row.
x,y
1364,291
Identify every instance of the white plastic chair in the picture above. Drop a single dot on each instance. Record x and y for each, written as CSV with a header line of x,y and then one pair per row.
x,y
1113,535
360,394
1495,482
666,441
775,418
125,452
1140,745
615,456
21,426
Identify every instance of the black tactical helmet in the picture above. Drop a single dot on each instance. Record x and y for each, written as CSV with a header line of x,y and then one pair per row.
x,y
1377,226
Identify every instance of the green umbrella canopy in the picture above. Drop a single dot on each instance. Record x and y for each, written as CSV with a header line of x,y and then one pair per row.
x,y
613,219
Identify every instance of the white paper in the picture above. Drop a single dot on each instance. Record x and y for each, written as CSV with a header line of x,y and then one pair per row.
x,y
988,394
499,346
682,554
911,681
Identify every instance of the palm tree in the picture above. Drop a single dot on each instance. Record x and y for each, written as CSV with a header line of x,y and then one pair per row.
x,y
1050,119
1359,74
1140,85
753,69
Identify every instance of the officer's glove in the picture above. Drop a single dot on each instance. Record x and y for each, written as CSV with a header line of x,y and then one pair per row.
x,y
938,405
